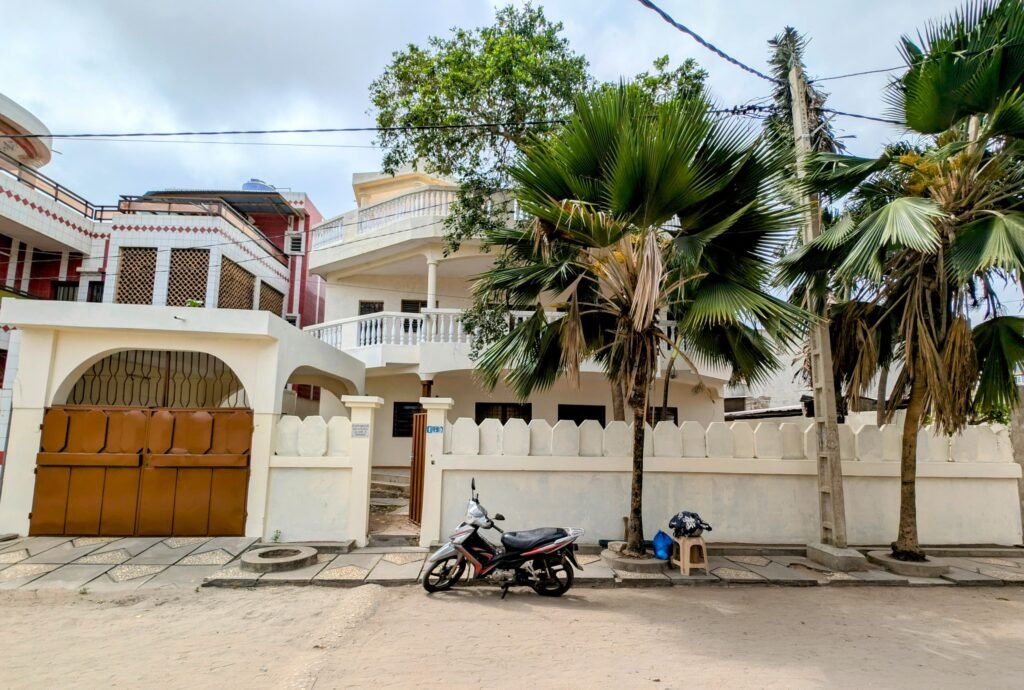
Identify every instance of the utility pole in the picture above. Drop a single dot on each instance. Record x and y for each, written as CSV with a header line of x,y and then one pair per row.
x,y
831,502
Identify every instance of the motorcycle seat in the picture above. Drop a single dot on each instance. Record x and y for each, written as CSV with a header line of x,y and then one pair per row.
x,y
531,538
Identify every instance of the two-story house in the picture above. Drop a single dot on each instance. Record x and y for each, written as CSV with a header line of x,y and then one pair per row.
x,y
394,300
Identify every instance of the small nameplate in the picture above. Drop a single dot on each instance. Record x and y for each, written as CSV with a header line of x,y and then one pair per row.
x,y
435,429
360,431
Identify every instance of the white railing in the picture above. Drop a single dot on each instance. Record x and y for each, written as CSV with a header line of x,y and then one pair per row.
x,y
329,234
428,202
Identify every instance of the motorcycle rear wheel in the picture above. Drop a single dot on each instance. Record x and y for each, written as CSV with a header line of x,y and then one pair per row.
x,y
444,574
561,582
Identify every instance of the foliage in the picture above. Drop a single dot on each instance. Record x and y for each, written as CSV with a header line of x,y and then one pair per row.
x,y
640,209
935,230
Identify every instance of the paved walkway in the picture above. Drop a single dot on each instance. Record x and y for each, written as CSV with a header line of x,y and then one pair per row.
x,y
123,564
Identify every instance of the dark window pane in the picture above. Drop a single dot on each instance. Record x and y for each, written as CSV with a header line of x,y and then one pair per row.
x,y
658,414
401,420
504,411
370,307
65,290
735,404
581,413
95,291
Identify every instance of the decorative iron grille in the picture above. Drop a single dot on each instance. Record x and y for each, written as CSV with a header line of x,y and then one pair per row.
x,y
271,300
159,378
188,277
237,286
136,272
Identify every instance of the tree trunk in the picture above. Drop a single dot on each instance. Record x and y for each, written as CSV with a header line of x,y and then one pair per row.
x,y
664,392
906,547
618,402
635,525
882,399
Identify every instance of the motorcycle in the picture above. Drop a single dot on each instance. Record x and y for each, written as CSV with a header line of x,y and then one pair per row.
x,y
539,558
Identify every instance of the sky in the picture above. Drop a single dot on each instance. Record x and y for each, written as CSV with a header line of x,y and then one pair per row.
x,y
125,65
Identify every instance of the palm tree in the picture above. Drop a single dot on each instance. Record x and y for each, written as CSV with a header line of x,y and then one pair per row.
x,y
641,212
945,228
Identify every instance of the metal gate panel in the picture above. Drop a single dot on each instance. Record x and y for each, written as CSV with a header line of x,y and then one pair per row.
x,y
156,502
192,503
228,489
49,504
85,501
120,502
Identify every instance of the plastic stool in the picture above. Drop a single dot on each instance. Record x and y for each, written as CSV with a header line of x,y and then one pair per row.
x,y
685,557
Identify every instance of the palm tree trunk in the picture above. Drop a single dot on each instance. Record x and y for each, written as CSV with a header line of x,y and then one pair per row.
x,y
664,392
882,399
906,547
618,401
638,403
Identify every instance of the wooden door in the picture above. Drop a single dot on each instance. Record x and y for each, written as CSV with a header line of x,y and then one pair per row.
x,y
419,458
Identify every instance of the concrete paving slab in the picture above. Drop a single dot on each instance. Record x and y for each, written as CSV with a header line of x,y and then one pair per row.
x,y
20,574
298,577
359,559
340,576
13,556
999,562
969,578
927,582
389,573
880,577
778,574
105,584
696,577
595,574
133,573
214,557
35,545
66,552
70,577
232,545
1007,575
133,545
627,578
232,576
167,552
181,577
734,575
113,557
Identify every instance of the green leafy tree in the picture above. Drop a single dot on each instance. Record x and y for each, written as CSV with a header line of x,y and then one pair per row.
x,y
937,230
640,210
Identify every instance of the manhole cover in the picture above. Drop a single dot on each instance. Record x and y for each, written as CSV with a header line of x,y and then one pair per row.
x,y
277,558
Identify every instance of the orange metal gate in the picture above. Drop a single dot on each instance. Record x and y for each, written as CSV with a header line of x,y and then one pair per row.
x,y
419,457
148,472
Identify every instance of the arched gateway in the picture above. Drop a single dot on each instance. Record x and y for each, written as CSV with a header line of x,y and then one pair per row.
x,y
146,442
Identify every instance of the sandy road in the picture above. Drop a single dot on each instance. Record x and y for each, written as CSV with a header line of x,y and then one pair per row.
x,y
757,637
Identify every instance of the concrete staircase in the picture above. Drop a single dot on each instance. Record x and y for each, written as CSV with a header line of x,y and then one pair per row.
x,y
389,509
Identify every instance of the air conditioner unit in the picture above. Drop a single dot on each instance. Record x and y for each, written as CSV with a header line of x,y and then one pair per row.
x,y
293,319
295,244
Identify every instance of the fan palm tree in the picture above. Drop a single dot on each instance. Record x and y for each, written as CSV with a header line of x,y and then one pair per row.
x,y
641,212
947,231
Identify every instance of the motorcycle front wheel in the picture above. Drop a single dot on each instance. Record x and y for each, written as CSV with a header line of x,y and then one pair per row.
x,y
556,577
444,574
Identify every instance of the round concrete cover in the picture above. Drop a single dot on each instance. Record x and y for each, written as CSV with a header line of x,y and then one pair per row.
x,y
276,558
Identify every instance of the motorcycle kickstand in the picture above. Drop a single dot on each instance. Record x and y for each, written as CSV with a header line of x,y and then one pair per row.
x,y
504,591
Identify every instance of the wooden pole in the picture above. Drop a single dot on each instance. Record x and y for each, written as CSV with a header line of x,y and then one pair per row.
x,y
831,503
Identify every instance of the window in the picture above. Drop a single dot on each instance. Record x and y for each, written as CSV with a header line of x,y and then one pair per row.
x,y
658,414
503,411
370,307
735,404
65,290
401,419
581,413
95,293
412,306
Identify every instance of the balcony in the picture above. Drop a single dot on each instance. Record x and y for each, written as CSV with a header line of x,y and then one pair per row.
x,y
433,340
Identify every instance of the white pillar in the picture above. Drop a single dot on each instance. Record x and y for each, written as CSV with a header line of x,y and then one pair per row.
x,y
362,408
430,520
431,282
162,276
12,263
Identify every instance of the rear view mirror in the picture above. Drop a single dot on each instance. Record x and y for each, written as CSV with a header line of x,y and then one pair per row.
x,y
472,483
499,516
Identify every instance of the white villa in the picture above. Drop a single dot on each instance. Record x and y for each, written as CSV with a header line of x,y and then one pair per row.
x,y
393,300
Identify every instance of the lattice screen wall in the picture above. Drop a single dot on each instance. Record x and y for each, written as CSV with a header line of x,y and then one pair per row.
x,y
188,277
271,300
237,286
136,272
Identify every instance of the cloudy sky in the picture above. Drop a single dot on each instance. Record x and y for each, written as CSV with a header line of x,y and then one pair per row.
x,y
125,65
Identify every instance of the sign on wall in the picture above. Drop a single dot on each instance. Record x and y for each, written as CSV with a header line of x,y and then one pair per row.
x,y
360,431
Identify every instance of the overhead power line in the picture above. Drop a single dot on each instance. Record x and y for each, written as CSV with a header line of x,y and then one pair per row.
x,y
858,74
690,32
873,118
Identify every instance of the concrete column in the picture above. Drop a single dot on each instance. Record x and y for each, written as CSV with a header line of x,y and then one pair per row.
x,y
361,412
12,263
26,269
437,415
162,276
431,282
1017,441
213,279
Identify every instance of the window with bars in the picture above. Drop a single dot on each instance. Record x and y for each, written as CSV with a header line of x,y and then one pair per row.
x,y
237,286
503,411
271,300
661,414
95,291
401,419
581,413
412,306
136,272
370,307
735,404
190,269
65,290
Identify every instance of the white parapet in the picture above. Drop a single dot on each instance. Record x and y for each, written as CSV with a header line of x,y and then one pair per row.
x,y
490,437
793,440
565,439
339,436
742,439
591,439
312,437
868,444
288,435
465,437
692,439
668,443
540,437
617,439
767,440
515,438
720,441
